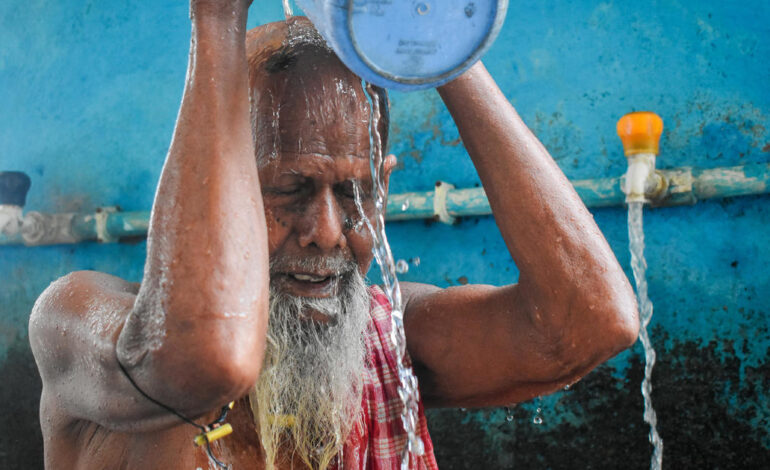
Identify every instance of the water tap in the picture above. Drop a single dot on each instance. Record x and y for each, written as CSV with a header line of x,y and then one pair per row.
x,y
640,133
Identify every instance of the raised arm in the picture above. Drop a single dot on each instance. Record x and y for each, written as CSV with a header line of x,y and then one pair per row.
x,y
573,307
192,337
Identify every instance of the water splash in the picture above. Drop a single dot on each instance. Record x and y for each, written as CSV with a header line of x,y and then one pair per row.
x,y
639,266
407,390
402,267
538,418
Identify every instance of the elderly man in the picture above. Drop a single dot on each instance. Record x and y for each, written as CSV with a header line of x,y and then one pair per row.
x,y
253,288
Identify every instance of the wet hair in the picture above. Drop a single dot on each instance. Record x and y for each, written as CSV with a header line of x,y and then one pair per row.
x,y
276,48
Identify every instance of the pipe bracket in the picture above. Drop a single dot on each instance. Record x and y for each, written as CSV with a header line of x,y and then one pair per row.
x,y
100,218
440,211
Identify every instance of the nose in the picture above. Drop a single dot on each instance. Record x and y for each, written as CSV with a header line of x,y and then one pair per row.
x,y
322,223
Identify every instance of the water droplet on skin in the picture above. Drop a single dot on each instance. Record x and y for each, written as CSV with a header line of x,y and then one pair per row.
x,y
402,267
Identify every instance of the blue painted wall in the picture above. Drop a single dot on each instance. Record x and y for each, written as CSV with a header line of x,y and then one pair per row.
x,y
89,92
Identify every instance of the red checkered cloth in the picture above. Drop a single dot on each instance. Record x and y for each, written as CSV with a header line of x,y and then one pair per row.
x,y
379,440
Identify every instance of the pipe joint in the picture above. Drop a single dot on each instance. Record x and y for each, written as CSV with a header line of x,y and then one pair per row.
x,y
48,229
10,219
642,183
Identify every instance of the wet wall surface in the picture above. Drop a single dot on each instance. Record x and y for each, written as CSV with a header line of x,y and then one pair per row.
x,y
89,92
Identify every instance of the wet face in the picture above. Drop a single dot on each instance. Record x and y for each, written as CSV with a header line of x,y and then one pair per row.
x,y
316,153
311,124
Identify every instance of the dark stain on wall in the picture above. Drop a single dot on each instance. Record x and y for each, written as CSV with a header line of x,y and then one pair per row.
x,y
21,443
692,383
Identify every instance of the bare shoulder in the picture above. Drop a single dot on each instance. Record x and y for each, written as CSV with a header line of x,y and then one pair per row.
x,y
77,295
414,290
82,281
415,294
77,313
70,293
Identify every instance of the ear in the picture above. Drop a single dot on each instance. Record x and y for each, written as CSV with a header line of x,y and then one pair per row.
x,y
390,165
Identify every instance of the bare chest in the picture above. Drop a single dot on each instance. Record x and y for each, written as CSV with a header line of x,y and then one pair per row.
x,y
89,446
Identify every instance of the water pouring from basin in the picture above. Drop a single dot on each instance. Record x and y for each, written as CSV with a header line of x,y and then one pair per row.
x,y
408,389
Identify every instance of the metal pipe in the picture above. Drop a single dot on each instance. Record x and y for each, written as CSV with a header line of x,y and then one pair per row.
x,y
681,186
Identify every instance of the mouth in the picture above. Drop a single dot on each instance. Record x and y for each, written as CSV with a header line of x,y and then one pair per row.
x,y
304,284
315,279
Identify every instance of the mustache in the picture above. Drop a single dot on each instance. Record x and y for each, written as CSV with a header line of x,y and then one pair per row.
x,y
337,264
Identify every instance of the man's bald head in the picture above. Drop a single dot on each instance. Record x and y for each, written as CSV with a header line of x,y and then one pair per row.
x,y
300,90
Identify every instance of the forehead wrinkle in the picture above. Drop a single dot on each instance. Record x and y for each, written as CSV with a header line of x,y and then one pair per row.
x,y
325,167
324,125
317,107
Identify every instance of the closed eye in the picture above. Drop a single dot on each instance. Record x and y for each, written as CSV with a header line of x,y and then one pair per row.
x,y
284,190
293,187
346,189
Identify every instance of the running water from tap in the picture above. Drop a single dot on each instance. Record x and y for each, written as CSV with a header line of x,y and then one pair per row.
x,y
407,390
639,266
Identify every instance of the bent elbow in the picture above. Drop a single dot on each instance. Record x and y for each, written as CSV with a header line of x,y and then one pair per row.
x,y
226,379
610,322
628,328
622,317
205,360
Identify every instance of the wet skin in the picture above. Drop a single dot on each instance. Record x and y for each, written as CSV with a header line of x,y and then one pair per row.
x,y
192,333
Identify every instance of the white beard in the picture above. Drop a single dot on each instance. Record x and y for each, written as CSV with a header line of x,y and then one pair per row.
x,y
308,395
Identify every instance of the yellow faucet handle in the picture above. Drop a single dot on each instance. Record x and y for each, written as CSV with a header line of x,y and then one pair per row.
x,y
640,132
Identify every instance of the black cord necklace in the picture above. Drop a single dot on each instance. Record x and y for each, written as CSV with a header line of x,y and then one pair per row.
x,y
215,430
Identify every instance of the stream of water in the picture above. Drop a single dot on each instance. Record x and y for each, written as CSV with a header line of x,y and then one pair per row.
x,y
407,390
639,266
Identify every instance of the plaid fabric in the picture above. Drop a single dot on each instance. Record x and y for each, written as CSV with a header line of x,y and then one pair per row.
x,y
377,442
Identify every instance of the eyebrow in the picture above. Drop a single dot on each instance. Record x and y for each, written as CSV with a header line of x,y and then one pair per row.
x,y
310,165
